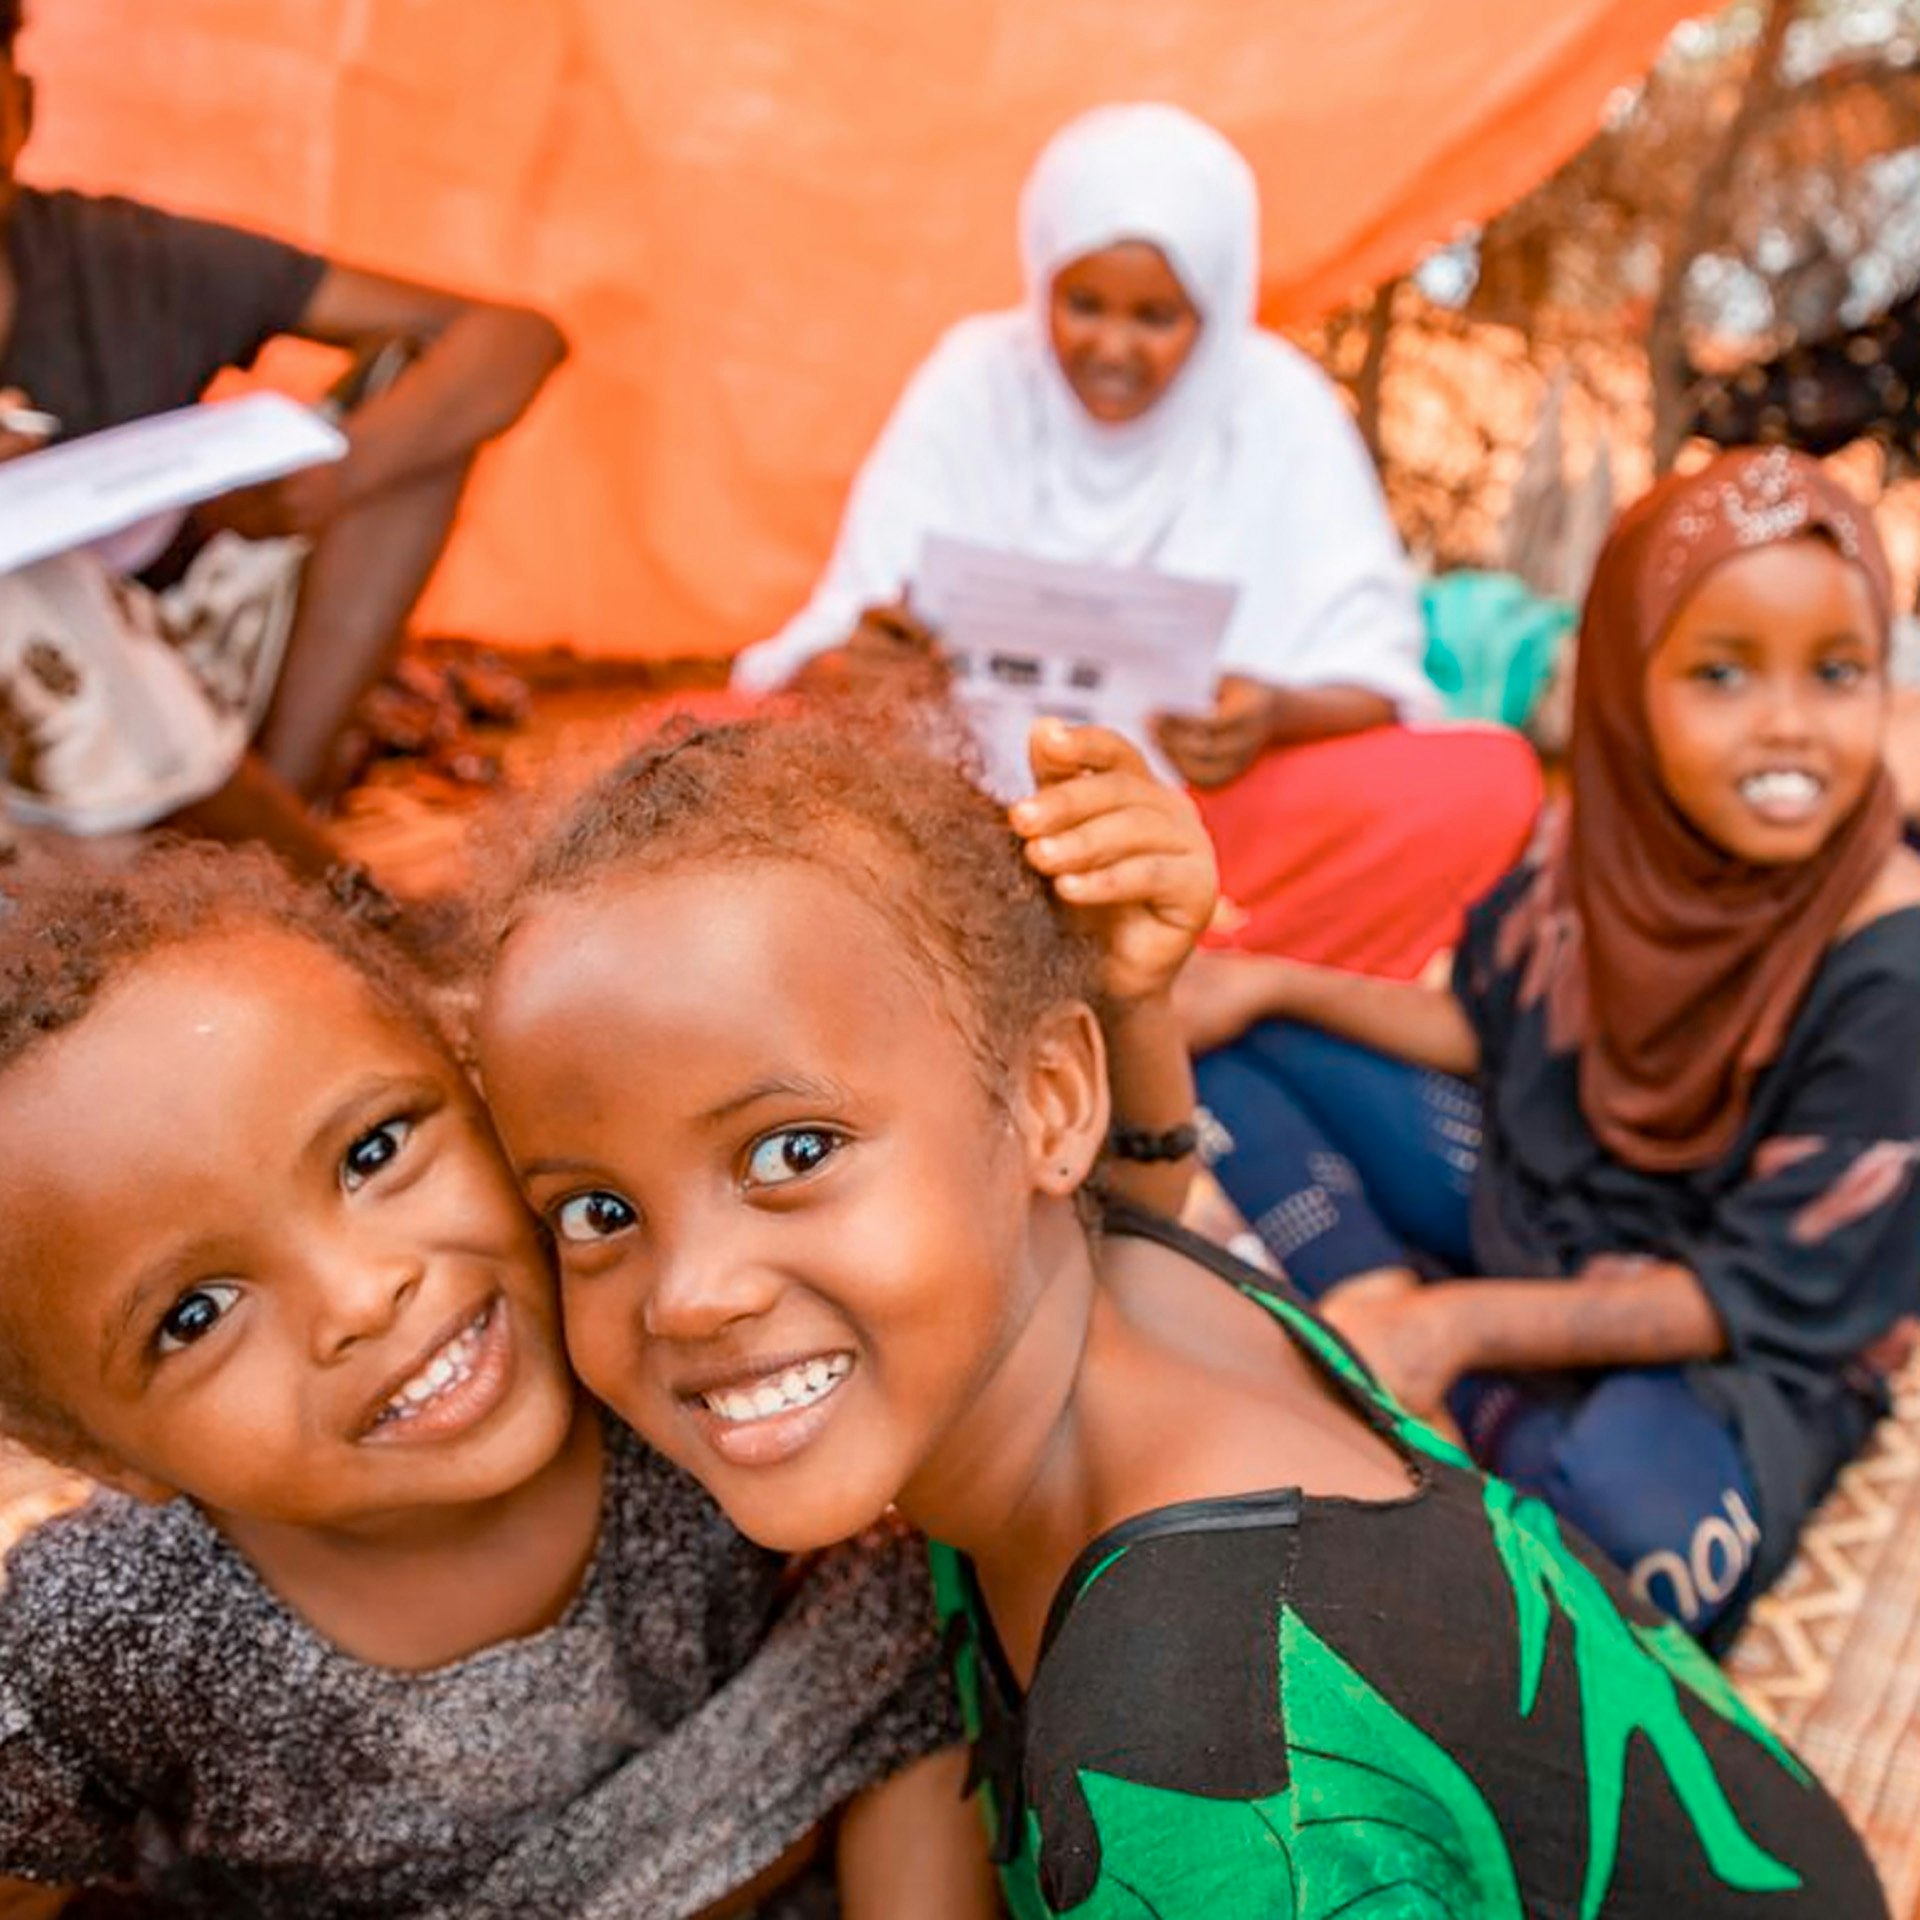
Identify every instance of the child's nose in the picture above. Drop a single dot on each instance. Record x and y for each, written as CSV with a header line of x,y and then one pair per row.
x,y
359,1294
700,1292
1787,716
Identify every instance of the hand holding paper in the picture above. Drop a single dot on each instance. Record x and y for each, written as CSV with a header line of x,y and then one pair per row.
x,y
23,428
1211,749
61,497
1029,639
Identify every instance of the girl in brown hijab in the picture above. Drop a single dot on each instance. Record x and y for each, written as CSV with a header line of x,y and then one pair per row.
x,y
1695,955
1672,1102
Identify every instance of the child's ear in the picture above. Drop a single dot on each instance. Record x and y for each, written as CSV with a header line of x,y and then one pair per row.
x,y
1064,1106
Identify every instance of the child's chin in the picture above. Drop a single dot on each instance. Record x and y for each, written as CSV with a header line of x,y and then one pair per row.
x,y
795,1526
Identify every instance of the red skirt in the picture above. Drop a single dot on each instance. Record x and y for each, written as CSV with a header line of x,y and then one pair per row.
x,y
1366,851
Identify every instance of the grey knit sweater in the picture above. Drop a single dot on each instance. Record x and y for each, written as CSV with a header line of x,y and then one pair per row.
x,y
167,1723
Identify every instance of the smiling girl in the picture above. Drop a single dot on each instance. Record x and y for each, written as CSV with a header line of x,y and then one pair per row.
x,y
381,1616
1687,1163
1237,1637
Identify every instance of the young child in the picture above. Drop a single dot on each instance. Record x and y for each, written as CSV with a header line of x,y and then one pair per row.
x,y
1694,1024
1237,1636
384,1618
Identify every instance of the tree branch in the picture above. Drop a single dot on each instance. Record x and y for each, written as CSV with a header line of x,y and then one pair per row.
x,y
1666,331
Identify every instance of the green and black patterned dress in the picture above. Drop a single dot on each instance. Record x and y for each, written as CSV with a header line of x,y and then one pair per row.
x,y
1271,1706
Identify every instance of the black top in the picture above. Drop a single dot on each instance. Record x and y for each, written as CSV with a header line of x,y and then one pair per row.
x,y
1275,1705
1806,1235
123,311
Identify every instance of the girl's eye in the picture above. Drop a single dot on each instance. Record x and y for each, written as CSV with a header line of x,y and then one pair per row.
x,y
593,1216
1160,318
195,1315
791,1154
1841,673
372,1151
1716,673
1084,305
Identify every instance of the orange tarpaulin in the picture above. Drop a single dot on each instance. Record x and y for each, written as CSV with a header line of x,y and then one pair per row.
x,y
754,216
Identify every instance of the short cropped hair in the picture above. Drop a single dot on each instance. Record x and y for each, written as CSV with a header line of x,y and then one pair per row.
x,y
885,808
67,936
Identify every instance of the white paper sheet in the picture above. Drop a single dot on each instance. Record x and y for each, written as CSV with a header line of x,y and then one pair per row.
x,y
1030,639
81,491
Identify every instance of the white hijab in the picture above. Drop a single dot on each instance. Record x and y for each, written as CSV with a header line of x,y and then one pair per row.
x,y
1247,469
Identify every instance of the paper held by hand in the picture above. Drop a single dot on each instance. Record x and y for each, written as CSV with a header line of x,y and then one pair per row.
x,y
82,491
1032,639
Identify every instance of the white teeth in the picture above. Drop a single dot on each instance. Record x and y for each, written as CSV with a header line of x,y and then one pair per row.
x,y
799,1386
1787,787
452,1366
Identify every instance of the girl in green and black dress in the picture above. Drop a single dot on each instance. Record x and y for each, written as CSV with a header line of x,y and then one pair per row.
x,y
1237,1636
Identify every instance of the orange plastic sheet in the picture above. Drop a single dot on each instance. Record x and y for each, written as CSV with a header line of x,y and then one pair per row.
x,y
754,216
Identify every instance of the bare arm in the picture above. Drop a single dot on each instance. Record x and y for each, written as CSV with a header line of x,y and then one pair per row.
x,y
1618,1313
1226,993
1151,1075
915,1845
1129,854
1300,714
479,365
1249,716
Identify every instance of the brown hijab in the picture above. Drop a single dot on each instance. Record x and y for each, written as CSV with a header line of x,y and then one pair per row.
x,y
1673,967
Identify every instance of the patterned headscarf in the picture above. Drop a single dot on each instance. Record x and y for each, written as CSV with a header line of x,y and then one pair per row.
x,y
1675,968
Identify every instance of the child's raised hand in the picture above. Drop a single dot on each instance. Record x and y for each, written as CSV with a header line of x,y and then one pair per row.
x,y
1123,848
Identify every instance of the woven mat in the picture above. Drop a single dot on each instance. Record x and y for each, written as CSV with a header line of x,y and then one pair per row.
x,y
1831,1656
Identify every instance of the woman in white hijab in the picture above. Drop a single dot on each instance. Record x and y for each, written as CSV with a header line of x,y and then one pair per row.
x,y
1131,412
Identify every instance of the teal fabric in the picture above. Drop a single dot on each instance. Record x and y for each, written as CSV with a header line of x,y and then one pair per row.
x,y
1491,643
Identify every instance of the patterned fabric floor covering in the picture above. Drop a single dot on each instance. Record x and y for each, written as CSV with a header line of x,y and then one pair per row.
x,y
1832,1655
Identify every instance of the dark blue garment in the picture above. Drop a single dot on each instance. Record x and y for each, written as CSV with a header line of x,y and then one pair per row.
x,y
1342,1159
1644,1467
1345,1160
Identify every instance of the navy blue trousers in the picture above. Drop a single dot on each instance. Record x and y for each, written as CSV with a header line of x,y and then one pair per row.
x,y
1344,1160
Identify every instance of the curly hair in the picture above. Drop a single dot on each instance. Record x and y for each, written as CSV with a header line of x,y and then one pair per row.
x,y
67,936
888,810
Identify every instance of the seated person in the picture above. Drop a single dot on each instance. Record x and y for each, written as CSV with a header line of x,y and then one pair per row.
x,y
1235,1636
1688,1161
111,311
1132,413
